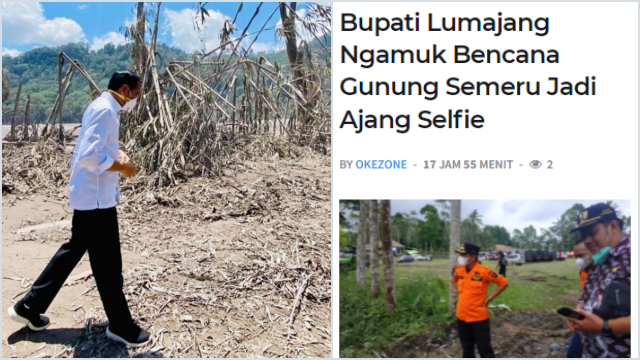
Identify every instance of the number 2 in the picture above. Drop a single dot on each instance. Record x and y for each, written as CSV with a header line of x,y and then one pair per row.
x,y
550,164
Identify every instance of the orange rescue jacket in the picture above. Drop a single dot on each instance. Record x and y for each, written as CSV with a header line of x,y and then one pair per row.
x,y
583,277
472,291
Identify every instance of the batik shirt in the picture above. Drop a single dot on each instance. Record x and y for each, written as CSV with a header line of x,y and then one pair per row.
x,y
617,268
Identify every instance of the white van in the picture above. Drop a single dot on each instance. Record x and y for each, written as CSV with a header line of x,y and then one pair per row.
x,y
515,259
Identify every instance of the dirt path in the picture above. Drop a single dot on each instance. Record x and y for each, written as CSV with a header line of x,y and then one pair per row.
x,y
215,268
514,334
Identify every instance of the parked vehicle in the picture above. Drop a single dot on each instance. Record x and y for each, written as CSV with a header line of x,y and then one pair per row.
x,y
406,258
545,255
347,258
515,259
539,255
552,255
428,257
530,255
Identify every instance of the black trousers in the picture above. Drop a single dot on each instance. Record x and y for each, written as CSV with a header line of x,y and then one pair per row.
x,y
503,271
95,231
475,333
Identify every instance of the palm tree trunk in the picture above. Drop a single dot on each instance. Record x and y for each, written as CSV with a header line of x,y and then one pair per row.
x,y
362,245
374,229
454,244
387,255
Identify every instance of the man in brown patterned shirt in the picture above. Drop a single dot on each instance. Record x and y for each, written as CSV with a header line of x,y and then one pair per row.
x,y
601,230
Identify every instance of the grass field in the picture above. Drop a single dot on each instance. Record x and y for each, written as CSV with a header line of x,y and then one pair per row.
x,y
533,286
422,301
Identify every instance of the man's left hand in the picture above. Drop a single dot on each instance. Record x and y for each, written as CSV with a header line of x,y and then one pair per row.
x,y
122,157
591,323
486,302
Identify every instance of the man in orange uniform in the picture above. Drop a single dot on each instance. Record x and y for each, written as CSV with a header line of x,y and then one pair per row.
x,y
473,315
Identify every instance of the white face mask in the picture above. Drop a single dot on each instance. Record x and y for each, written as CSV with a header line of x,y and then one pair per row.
x,y
462,261
130,105
583,262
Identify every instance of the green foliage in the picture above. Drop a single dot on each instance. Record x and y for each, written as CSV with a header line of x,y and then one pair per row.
x,y
344,240
432,233
420,305
432,230
37,71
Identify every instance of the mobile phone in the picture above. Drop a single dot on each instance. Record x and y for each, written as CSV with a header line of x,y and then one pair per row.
x,y
565,311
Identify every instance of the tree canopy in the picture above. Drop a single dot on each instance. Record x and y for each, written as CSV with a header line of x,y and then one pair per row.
x,y
37,71
429,230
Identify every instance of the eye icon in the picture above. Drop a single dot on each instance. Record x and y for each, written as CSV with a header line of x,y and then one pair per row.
x,y
535,164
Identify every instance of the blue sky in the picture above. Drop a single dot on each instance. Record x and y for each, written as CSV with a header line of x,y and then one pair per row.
x,y
29,25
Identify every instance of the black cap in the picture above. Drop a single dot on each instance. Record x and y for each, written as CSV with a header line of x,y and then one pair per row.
x,y
595,214
468,249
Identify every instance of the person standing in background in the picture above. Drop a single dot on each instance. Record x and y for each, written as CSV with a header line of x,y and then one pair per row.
x,y
502,264
584,262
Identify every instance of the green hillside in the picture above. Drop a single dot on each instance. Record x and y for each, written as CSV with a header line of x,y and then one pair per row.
x,y
37,70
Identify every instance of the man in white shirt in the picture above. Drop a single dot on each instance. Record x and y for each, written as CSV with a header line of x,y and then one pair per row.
x,y
93,195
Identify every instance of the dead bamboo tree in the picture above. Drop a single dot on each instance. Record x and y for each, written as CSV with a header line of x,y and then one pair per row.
x,y
454,244
138,52
374,231
51,119
6,87
14,118
25,123
387,255
288,17
59,115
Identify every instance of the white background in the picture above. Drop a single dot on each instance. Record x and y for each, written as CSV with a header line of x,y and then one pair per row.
x,y
592,140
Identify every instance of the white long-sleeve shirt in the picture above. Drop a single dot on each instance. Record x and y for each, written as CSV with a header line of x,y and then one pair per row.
x,y
91,186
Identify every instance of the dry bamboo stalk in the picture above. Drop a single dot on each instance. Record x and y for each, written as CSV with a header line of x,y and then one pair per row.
x,y
56,104
95,90
298,302
179,88
15,113
25,123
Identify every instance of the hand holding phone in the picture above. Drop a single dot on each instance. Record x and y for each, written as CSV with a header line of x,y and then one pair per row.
x,y
565,311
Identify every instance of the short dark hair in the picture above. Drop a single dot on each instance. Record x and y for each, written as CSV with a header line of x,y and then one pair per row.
x,y
121,78
608,221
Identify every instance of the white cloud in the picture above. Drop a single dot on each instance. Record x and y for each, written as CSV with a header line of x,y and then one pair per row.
x,y
262,47
130,21
82,6
259,46
184,35
111,37
25,23
10,52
